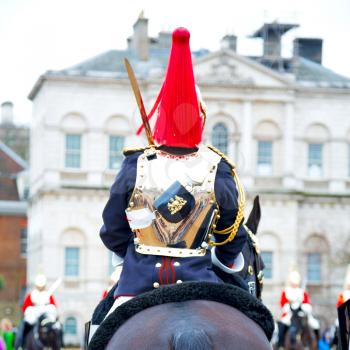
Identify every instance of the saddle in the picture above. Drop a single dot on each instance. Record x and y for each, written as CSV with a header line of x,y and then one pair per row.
x,y
218,292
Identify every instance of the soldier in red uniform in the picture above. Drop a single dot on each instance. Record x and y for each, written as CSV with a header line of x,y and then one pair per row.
x,y
37,302
294,296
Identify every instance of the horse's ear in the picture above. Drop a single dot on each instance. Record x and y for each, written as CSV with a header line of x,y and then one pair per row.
x,y
254,216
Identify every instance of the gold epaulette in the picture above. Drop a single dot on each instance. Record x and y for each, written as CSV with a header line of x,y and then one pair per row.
x,y
233,229
130,150
147,150
223,156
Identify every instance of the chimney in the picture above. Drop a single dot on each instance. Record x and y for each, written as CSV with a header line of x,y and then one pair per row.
x,y
7,112
308,48
229,42
140,40
271,33
164,40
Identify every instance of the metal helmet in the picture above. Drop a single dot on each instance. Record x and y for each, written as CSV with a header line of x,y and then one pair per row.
x,y
40,281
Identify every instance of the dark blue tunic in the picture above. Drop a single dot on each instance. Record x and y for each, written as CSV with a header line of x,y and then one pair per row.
x,y
141,272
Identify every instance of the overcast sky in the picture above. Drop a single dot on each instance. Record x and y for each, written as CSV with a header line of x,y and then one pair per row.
x,y
38,35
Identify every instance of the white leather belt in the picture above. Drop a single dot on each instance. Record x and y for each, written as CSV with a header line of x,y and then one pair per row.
x,y
166,251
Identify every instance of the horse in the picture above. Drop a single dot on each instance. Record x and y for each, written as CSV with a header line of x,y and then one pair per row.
x,y
190,325
46,333
252,272
188,316
300,335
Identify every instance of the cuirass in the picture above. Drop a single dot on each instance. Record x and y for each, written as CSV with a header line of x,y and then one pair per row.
x,y
172,209
40,297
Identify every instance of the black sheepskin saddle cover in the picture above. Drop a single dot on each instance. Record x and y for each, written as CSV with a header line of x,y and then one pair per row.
x,y
219,292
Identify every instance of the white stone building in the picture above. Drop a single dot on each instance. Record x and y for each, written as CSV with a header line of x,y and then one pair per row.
x,y
286,123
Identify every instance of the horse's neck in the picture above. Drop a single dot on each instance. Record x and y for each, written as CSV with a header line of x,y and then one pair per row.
x,y
36,336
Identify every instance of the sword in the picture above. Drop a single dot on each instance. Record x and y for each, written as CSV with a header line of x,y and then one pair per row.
x,y
54,286
138,97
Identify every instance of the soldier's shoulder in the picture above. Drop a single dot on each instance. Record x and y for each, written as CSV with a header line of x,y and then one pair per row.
x,y
223,156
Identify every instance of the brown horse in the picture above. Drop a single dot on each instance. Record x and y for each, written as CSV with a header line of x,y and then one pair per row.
x,y
190,325
46,334
300,336
252,272
188,316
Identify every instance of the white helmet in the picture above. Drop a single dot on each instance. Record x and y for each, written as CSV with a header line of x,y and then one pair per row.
x,y
40,281
294,277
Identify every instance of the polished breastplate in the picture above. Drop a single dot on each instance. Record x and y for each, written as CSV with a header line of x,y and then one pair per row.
x,y
173,209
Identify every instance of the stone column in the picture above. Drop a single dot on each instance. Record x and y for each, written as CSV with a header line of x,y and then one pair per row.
x,y
288,147
246,144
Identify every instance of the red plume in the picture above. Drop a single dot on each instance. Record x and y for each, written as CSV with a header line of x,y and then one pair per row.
x,y
178,123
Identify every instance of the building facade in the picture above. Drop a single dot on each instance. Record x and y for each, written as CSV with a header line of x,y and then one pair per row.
x,y
285,122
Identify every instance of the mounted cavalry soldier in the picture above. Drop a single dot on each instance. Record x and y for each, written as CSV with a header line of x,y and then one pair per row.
x,y
39,301
293,297
174,219
177,198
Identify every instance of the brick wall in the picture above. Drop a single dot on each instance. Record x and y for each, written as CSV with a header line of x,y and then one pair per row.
x,y
12,264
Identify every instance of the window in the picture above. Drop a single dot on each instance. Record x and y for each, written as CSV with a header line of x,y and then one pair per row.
x,y
267,258
264,165
73,150
315,159
116,144
219,137
71,262
24,242
314,267
70,326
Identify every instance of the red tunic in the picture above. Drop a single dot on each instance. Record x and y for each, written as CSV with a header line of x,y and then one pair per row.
x,y
340,299
284,300
28,301
343,297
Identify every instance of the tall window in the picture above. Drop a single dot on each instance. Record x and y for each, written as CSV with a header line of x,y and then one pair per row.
x,y
264,165
315,159
313,267
267,257
219,137
70,326
24,242
116,144
73,150
71,261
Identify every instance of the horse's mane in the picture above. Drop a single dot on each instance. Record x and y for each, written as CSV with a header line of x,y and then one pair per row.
x,y
218,292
